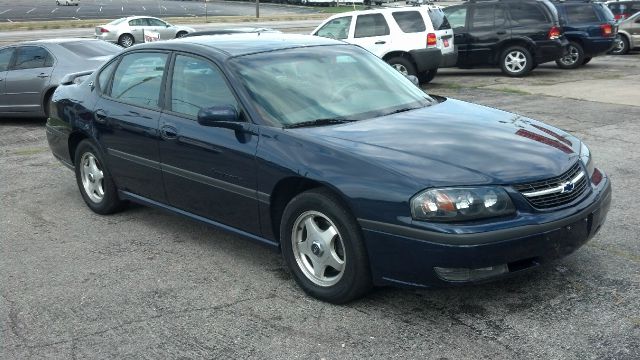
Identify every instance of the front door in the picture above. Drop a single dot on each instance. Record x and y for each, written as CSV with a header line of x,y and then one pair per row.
x,y
487,28
208,171
126,118
28,77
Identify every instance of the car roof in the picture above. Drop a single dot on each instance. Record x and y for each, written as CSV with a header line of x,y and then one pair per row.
x,y
56,41
387,10
243,44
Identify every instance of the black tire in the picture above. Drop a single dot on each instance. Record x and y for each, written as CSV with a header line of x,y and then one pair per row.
x,y
586,60
574,59
355,278
621,47
427,76
181,34
126,40
403,65
524,63
109,203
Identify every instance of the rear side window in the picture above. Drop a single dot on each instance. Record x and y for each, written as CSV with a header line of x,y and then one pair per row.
x,y
138,22
32,57
581,13
336,28
138,79
439,19
409,21
5,58
526,14
457,17
486,17
371,25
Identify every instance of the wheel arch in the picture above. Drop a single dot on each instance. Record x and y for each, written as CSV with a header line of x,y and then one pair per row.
x,y
74,139
46,96
524,42
288,188
399,53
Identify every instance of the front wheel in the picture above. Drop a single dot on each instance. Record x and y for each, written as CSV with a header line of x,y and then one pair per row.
x,y
516,61
620,46
323,247
573,59
94,180
404,66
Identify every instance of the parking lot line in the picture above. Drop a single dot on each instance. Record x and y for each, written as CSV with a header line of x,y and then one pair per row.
x,y
28,12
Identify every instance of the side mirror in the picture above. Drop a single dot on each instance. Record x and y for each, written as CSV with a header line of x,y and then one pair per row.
x,y
414,79
225,116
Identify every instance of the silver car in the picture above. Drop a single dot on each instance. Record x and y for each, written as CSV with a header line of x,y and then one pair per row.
x,y
30,71
130,30
628,35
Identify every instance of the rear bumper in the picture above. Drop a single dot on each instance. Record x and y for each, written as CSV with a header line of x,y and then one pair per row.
x,y
426,59
597,46
551,50
449,59
406,256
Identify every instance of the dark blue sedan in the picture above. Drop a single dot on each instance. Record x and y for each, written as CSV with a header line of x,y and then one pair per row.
x,y
323,151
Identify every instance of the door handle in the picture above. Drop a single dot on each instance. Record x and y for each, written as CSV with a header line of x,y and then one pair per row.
x,y
501,32
380,42
101,116
43,75
168,132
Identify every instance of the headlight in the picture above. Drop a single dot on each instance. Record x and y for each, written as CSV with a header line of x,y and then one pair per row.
x,y
460,204
595,175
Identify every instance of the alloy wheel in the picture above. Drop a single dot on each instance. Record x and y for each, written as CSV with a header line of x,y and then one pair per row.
x,y
572,57
515,61
92,177
318,248
401,68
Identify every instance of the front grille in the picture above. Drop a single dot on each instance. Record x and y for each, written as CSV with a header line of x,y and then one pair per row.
x,y
556,191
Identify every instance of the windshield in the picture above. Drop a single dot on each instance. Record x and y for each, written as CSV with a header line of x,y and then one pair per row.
x,y
91,48
341,82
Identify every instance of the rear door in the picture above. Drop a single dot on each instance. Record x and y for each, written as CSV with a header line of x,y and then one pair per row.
x,y
137,27
530,20
126,118
372,33
487,29
6,56
28,77
457,17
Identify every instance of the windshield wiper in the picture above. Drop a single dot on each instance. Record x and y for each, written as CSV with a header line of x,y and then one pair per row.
x,y
403,110
318,122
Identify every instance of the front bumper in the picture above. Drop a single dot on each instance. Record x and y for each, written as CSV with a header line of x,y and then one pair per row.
x,y
405,256
426,59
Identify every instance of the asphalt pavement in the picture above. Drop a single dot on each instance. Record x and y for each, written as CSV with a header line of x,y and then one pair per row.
x,y
145,284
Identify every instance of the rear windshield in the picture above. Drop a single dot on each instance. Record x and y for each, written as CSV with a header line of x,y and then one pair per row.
x,y
581,13
91,48
606,13
439,19
410,21
117,21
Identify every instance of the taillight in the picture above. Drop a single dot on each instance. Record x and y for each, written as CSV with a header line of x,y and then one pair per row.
x,y
607,29
431,39
554,33
103,30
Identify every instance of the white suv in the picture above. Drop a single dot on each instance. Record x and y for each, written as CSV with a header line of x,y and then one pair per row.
x,y
414,40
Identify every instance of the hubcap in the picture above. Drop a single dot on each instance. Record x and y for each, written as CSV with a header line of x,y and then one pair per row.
x,y
318,248
127,41
515,61
92,177
401,68
619,45
572,57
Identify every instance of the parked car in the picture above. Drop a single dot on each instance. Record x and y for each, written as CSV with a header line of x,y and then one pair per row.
x,y
628,36
516,36
68,2
590,29
356,175
30,71
229,31
623,9
130,30
414,40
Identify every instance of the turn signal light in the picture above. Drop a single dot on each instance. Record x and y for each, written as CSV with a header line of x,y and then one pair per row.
x,y
431,39
554,33
607,29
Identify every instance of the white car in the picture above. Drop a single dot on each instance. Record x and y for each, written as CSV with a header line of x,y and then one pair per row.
x,y
414,40
68,2
130,30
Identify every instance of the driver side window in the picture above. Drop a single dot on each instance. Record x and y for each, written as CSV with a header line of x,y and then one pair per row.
x,y
336,28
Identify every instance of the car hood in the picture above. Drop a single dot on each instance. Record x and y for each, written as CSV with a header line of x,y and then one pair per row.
x,y
456,143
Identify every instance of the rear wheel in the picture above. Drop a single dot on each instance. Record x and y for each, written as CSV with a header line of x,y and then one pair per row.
x,y
126,40
427,76
404,66
573,59
181,34
620,46
94,180
323,247
516,61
